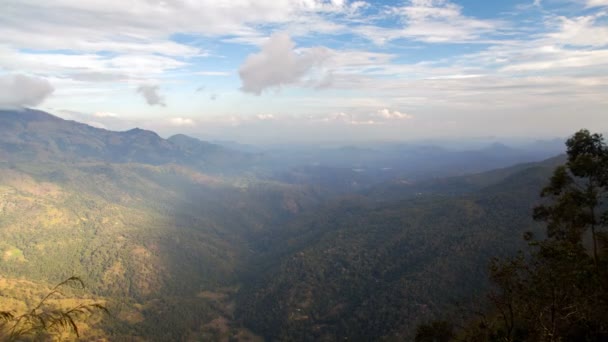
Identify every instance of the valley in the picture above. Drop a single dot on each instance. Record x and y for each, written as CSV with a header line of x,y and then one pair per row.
x,y
183,239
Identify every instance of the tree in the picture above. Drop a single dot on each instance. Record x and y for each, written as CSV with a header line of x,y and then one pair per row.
x,y
578,191
42,321
556,291
436,331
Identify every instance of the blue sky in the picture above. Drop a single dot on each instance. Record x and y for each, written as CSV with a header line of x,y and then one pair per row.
x,y
311,70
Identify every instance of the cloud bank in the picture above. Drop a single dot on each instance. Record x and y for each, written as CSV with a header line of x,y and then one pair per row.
x,y
18,91
181,122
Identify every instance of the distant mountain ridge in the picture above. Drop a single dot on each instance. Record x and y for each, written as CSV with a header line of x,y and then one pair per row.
x,y
296,244
363,269
32,134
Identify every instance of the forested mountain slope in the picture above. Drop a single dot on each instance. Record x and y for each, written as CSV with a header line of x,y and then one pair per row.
x,y
183,239
158,243
364,270
458,185
35,135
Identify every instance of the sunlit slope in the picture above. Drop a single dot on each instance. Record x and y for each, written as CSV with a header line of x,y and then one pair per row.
x,y
150,237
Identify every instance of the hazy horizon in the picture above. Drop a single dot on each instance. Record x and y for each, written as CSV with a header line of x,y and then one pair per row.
x,y
312,70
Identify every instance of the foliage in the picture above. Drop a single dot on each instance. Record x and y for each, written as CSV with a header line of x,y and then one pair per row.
x,y
557,291
44,320
186,240
147,239
436,331
367,270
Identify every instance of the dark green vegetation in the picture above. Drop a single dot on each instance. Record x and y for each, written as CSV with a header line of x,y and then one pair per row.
x,y
365,269
182,239
31,135
149,239
556,290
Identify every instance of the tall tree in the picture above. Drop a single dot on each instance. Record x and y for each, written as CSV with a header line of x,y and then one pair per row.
x,y
578,191
556,292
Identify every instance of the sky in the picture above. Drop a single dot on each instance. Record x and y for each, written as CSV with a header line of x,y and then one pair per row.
x,y
311,70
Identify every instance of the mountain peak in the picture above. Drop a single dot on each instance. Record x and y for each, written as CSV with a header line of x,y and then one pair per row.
x,y
27,114
57,139
182,137
138,130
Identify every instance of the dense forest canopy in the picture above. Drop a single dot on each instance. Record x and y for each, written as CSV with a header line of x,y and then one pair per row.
x,y
181,239
303,170
556,289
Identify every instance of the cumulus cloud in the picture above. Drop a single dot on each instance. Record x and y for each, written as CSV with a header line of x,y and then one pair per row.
x,y
368,118
580,31
151,94
180,122
22,91
393,115
279,64
105,115
264,117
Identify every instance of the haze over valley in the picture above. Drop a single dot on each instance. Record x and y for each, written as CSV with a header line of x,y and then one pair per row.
x,y
183,238
311,170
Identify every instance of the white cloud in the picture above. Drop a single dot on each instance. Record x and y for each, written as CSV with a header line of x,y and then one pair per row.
x,y
181,122
431,21
23,91
87,67
213,73
151,95
597,3
114,41
393,115
94,76
105,115
442,21
580,31
133,27
94,52
264,117
279,64
358,117
555,59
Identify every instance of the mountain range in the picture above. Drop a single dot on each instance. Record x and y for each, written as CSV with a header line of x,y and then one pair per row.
x,y
33,134
187,240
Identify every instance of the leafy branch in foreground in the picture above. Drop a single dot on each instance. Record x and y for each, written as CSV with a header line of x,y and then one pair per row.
x,y
43,321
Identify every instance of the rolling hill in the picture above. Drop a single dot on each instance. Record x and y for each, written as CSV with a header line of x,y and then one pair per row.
x,y
35,135
365,270
186,240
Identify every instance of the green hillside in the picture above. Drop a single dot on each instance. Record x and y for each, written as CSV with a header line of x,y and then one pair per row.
x,y
364,270
143,237
186,240
32,135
